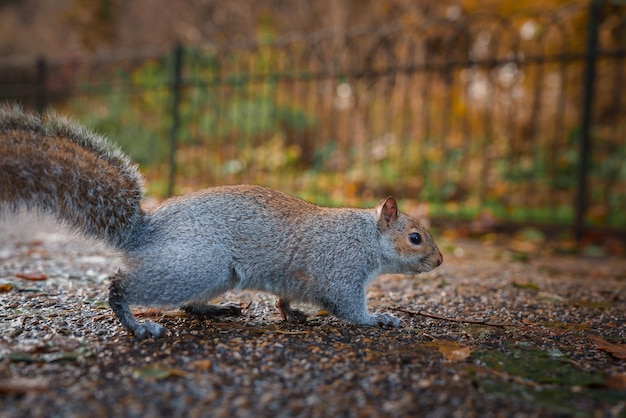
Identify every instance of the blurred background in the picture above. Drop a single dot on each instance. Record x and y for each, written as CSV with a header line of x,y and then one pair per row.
x,y
479,113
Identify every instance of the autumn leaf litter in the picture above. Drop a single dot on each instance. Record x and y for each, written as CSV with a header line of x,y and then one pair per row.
x,y
544,336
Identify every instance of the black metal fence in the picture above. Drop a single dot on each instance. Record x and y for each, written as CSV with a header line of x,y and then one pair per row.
x,y
520,116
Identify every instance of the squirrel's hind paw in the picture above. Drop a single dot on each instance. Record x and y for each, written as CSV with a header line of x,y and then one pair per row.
x,y
290,314
223,309
295,316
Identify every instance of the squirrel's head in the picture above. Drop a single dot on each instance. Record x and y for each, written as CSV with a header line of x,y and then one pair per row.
x,y
412,248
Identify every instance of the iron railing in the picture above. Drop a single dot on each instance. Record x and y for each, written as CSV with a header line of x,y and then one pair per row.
x,y
520,116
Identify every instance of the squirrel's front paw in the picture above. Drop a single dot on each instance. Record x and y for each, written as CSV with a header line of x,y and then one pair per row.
x,y
387,320
149,329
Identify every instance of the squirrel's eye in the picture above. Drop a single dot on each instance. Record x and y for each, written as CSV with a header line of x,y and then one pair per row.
x,y
415,238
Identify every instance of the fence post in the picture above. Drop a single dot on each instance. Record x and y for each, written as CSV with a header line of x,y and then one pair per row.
x,y
176,90
585,140
41,93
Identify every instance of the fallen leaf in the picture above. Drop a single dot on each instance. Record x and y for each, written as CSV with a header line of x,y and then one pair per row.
x,y
5,287
62,343
616,382
450,350
549,297
528,285
157,372
55,356
101,317
616,350
21,385
19,357
563,326
589,304
33,277
523,246
148,313
201,364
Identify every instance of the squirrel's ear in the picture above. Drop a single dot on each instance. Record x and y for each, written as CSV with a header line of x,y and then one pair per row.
x,y
387,211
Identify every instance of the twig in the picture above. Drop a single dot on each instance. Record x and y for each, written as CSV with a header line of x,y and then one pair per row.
x,y
443,318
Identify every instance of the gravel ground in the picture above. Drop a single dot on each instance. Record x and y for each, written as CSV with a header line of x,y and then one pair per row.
x,y
544,336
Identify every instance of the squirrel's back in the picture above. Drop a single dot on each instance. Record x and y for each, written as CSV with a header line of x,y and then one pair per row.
x,y
52,165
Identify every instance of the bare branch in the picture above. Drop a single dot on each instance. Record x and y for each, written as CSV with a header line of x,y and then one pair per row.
x,y
443,318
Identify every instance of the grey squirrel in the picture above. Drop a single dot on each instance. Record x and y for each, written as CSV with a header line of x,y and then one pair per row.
x,y
195,247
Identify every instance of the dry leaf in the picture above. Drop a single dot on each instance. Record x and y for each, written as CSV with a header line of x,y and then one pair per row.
x,y
616,382
527,285
523,246
157,372
5,287
148,313
201,364
451,351
21,385
616,350
33,277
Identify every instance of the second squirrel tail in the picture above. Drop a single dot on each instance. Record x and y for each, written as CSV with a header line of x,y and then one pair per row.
x,y
52,165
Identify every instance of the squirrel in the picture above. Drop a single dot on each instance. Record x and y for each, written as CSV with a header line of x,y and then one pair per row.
x,y
194,247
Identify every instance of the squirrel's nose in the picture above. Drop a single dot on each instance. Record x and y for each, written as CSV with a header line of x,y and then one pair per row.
x,y
439,259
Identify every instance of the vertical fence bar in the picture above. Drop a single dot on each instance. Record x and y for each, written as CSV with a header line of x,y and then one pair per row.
x,y
585,140
176,90
41,93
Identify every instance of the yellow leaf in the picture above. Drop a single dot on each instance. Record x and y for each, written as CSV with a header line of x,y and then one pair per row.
x,y
33,277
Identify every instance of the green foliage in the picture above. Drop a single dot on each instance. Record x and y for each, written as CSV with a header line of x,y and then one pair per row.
x,y
242,122
135,108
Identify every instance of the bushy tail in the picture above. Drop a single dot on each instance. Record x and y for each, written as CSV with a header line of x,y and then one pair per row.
x,y
52,165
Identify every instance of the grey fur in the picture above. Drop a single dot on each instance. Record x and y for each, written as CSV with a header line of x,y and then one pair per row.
x,y
195,247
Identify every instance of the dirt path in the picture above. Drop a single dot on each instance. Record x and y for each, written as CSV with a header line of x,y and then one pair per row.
x,y
542,337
